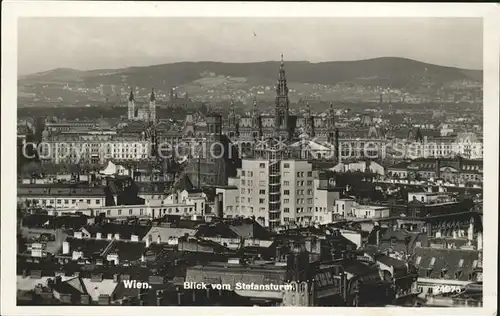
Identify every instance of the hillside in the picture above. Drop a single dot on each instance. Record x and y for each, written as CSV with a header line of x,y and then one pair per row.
x,y
396,72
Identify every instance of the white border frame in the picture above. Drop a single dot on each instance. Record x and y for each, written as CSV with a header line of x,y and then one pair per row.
x,y
12,10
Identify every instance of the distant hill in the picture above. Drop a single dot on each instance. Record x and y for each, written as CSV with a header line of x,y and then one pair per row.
x,y
396,72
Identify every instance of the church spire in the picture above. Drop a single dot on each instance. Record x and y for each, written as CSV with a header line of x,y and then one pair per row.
x,y
131,95
281,88
152,97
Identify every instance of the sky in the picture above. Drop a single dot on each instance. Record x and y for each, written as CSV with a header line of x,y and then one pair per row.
x,y
96,43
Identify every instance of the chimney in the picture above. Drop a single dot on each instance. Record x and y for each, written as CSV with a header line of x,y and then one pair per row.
x,y
480,241
110,236
159,297
65,247
117,236
220,208
470,232
158,239
98,236
438,168
378,236
216,205
149,239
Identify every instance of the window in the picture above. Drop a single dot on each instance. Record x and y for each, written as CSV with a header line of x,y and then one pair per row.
x,y
309,182
262,191
286,183
286,201
88,202
286,192
261,201
309,173
461,263
298,174
97,201
243,172
59,201
119,212
286,165
474,264
141,212
66,201
286,210
108,212
73,201
262,165
243,182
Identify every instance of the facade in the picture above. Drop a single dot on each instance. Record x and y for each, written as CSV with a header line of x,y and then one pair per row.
x,y
271,197
94,151
249,129
147,113
58,197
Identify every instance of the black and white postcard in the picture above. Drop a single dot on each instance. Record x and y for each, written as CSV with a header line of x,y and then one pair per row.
x,y
179,155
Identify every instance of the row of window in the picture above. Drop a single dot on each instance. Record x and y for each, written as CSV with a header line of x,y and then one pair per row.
x,y
63,201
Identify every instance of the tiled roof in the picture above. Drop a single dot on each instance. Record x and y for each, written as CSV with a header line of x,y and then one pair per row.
x,y
89,247
54,222
248,228
128,251
216,230
442,263
124,230
59,191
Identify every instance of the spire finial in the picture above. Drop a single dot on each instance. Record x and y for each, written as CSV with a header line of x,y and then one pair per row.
x,y
282,59
255,100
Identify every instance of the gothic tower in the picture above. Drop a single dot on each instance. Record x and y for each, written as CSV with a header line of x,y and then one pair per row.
x,y
152,106
282,104
232,124
256,133
299,276
330,124
308,121
131,106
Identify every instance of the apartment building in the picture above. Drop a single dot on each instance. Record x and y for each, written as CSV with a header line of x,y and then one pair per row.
x,y
274,192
